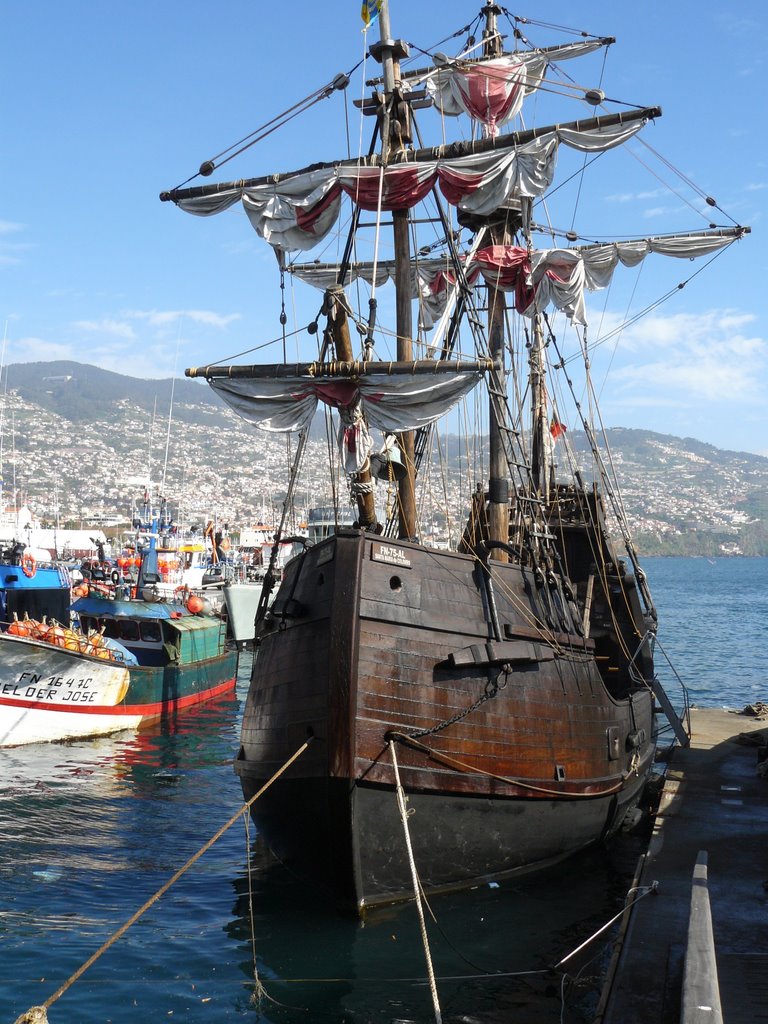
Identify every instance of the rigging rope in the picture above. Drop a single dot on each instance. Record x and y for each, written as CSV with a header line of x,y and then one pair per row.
x,y
340,82
38,1013
416,886
452,762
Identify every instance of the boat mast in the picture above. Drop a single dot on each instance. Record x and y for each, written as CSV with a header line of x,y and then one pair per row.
x,y
539,453
501,234
361,483
395,132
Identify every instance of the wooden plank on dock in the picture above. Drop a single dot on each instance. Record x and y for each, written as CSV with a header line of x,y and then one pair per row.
x,y
701,991
718,802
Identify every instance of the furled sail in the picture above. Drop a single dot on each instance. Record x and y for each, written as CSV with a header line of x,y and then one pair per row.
x,y
391,397
492,91
297,211
556,277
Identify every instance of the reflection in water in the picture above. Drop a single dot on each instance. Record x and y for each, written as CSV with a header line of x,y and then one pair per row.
x,y
91,830
492,947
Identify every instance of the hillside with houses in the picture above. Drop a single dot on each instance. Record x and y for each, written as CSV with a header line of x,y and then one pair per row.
x,y
80,443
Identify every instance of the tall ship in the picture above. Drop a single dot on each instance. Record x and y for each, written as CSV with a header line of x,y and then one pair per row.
x,y
504,685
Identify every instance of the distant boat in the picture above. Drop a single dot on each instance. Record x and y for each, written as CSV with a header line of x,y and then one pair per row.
x,y
32,587
248,602
134,659
508,684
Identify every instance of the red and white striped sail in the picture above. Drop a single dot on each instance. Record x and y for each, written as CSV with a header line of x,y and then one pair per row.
x,y
545,277
298,211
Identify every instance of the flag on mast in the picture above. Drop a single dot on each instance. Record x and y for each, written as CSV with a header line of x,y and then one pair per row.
x,y
370,11
556,428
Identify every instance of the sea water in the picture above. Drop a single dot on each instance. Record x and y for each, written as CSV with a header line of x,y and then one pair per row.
x,y
713,626
91,831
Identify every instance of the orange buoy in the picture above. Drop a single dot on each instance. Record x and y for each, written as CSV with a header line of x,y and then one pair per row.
x,y
71,640
20,627
194,604
55,636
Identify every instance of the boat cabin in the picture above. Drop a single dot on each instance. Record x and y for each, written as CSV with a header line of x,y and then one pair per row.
x,y
159,640
34,590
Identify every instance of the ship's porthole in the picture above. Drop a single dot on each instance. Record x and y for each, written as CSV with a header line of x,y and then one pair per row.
x,y
395,583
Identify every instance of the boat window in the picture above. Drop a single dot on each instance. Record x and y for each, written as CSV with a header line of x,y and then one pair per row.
x,y
129,630
150,632
111,629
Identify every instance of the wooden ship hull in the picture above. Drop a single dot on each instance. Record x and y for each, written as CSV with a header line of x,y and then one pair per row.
x,y
518,740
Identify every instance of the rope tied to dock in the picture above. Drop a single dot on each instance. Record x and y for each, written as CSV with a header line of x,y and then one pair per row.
x,y
416,885
39,1014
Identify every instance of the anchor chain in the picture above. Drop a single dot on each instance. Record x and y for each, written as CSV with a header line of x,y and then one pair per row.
x,y
492,688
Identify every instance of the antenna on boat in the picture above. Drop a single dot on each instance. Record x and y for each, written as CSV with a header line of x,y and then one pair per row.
x,y
170,407
151,435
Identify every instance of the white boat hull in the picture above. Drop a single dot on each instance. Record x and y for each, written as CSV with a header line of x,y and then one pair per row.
x,y
48,693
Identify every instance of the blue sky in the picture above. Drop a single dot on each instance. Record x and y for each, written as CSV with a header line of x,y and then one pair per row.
x,y
105,106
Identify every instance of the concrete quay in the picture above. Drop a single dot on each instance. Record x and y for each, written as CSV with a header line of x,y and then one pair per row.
x,y
697,950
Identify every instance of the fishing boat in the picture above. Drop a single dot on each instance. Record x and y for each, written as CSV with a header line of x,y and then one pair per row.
x,y
119,657
32,586
506,687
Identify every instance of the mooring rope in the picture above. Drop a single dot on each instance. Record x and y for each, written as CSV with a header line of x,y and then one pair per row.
x,y
452,762
38,1014
640,893
416,886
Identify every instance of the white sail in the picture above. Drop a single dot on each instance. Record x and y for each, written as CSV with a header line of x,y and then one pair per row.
x,y
298,211
546,277
492,91
389,403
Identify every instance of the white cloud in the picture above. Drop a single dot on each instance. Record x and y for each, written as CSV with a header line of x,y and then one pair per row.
x,y
116,328
709,379
657,211
37,350
162,318
688,358
634,197
119,357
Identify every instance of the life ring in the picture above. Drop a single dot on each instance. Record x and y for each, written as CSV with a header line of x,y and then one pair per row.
x,y
181,594
28,565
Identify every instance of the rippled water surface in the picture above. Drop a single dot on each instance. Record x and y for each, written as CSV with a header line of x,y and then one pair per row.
x,y
90,831
713,625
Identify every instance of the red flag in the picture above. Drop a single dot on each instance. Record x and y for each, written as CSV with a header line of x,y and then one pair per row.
x,y
556,428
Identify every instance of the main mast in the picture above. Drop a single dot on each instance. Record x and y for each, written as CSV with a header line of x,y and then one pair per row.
x,y
501,229
395,133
